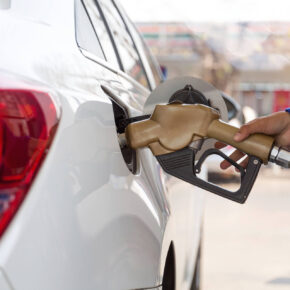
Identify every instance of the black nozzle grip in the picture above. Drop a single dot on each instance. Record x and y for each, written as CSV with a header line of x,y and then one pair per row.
x,y
181,165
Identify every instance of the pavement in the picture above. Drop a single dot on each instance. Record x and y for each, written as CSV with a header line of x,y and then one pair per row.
x,y
247,247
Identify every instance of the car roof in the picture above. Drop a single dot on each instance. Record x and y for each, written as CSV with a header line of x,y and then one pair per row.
x,y
46,12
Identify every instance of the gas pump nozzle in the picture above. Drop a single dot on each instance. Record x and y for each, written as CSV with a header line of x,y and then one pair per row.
x,y
280,156
174,127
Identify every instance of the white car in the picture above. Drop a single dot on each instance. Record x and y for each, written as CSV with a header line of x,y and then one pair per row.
x,y
79,211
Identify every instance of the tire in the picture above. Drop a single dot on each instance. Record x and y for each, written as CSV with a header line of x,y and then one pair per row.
x,y
197,272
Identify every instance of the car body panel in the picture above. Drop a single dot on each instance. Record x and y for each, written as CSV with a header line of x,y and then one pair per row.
x,y
87,221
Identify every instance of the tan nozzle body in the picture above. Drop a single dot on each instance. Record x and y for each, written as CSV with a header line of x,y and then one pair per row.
x,y
174,126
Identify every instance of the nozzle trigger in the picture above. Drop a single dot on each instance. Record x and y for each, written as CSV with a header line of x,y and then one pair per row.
x,y
181,164
223,155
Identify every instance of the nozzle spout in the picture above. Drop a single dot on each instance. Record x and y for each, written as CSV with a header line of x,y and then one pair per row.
x,y
280,156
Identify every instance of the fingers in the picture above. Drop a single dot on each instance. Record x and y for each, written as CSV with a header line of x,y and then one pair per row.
x,y
283,139
241,135
235,156
277,124
244,164
245,131
273,124
219,145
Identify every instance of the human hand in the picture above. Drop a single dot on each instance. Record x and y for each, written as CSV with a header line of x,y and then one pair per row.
x,y
277,125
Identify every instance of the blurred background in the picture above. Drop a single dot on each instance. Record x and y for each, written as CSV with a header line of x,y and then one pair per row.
x,y
242,47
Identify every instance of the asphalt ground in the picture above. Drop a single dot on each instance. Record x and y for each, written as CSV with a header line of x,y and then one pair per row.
x,y
247,247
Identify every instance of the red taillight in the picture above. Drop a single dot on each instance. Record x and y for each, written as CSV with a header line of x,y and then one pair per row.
x,y
28,121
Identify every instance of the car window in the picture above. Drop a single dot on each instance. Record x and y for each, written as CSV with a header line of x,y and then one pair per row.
x,y
85,35
131,62
102,32
153,64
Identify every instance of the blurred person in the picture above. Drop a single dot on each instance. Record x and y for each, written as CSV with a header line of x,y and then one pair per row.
x,y
276,124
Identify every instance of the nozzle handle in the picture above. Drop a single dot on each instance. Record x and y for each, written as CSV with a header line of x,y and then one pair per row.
x,y
258,145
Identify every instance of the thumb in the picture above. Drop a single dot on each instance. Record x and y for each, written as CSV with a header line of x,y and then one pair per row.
x,y
245,131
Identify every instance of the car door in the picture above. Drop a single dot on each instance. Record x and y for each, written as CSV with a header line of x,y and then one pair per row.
x,y
182,213
137,198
